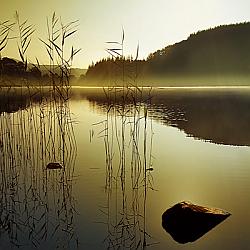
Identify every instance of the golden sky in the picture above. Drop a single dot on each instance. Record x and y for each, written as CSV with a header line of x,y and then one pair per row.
x,y
153,23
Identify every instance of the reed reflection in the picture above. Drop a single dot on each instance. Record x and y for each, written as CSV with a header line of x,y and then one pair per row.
x,y
37,207
127,135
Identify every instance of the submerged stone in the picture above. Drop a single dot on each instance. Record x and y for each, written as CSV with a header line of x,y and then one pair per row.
x,y
187,222
54,165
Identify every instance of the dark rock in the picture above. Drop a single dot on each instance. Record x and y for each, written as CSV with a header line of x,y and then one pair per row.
x,y
187,222
54,165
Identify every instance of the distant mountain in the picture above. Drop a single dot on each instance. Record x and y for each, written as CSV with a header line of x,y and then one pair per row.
x,y
77,72
218,56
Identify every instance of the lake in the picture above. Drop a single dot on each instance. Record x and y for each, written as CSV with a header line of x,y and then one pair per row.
x,y
123,164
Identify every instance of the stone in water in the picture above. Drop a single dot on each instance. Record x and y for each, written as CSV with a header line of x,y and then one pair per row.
x,y
187,222
54,165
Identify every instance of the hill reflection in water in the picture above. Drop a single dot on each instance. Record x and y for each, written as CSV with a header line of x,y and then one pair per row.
x,y
220,117
217,115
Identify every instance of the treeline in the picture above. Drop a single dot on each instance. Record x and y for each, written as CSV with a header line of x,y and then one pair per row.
x,y
114,69
224,50
12,72
12,68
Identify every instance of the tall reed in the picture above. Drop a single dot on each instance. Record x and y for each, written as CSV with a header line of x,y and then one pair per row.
x,y
127,135
36,204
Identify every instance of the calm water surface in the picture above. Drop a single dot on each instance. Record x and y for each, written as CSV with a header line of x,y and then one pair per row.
x,y
200,147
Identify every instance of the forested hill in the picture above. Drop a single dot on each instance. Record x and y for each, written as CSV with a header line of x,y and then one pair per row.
x,y
222,49
221,52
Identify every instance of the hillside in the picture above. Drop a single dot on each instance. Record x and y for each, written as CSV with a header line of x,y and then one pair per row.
x,y
218,56
222,49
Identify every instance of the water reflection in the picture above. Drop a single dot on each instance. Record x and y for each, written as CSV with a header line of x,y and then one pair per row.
x,y
127,138
14,99
216,115
37,206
